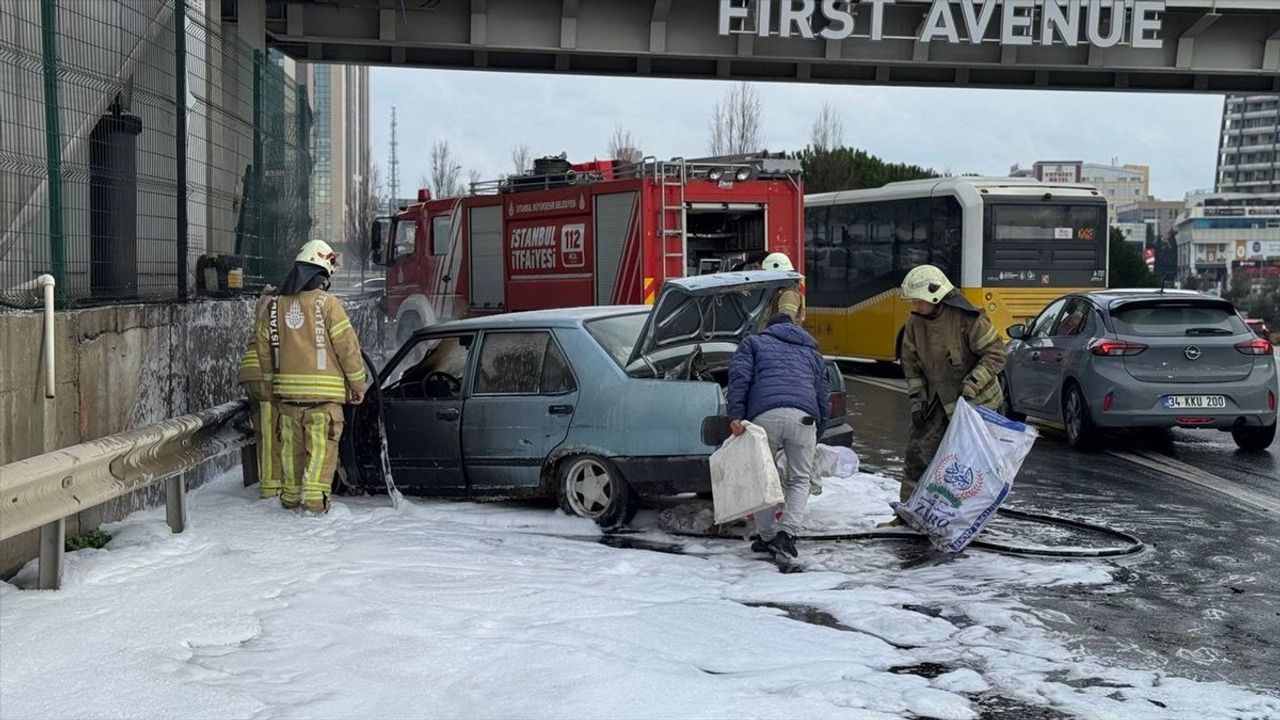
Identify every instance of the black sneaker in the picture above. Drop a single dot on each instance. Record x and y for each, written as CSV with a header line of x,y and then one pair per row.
x,y
784,544
759,545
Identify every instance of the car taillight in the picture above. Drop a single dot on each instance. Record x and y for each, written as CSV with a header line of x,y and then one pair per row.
x,y
1115,348
837,405
1271,400
1256,346
1107,401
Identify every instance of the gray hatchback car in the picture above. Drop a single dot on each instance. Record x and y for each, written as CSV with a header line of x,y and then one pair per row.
x,y
1143,358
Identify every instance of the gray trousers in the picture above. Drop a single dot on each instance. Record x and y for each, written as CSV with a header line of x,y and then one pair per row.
x,y
799,443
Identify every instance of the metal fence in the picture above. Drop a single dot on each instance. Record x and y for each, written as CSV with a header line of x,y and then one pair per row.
x,y
146,152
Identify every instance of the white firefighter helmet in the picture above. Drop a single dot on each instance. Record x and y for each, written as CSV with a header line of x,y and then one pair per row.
x,y
777,261
927,283
318,252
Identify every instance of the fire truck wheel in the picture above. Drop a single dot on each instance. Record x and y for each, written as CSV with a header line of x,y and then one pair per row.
x,y
590,486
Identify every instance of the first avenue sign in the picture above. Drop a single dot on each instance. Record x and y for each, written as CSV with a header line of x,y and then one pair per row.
x,y
1100,23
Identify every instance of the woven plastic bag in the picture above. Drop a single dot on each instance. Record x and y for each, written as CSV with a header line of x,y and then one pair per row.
x,y
744,479
970,477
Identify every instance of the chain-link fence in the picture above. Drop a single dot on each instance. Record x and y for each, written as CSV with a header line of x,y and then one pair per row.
x,y
146,152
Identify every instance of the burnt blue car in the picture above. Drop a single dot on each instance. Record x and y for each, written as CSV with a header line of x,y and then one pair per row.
x,y
595,407
1124,359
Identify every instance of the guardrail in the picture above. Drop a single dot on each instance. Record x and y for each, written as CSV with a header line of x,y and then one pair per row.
x,y
42,491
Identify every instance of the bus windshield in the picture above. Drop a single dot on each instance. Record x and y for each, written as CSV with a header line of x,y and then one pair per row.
x,y
1045,244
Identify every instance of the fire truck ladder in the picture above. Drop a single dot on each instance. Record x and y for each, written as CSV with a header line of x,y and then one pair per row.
x,y
672,175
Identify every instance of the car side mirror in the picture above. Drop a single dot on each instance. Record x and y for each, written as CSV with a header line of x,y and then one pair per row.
x,y
1017,332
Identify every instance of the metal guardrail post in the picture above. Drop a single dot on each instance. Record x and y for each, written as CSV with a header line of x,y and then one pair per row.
x,y
53,542
175,503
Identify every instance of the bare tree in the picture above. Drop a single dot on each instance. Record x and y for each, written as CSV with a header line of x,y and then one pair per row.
x,y
828,129
735,122
445,178
369,203
622,146
521,158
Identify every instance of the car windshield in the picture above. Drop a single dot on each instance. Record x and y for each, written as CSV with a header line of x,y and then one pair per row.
x,y
618,334
1177,319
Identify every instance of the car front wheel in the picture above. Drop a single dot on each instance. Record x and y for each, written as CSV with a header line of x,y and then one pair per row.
x,y
1254,439
1076,418
591,487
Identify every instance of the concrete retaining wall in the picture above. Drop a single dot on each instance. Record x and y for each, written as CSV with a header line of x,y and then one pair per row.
x,y
120,368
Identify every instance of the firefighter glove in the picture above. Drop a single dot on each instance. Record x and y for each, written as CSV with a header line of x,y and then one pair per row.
x,y
917,418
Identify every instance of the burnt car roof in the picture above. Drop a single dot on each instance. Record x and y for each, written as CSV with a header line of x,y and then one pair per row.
x,y
558,317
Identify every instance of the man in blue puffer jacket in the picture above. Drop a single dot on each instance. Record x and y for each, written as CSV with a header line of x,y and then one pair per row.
x,y
778,380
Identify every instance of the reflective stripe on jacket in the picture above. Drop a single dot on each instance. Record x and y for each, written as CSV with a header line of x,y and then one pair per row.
x,y
958,353
257,384
306,345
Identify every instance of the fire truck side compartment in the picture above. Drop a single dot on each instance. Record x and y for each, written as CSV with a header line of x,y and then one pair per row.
x,y
613,220
486,257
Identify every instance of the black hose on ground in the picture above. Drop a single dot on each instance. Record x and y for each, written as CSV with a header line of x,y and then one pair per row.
x,y
1132,546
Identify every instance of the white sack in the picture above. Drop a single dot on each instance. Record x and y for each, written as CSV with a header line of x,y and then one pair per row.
x,y
744,479
828,461
970,476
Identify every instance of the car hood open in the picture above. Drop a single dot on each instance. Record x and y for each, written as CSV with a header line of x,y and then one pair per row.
x,y
724,307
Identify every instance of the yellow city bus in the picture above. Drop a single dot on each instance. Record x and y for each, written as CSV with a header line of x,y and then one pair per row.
x,y
1010,244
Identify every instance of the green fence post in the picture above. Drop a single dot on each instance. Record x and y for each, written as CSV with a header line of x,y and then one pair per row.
x,y
53,142
180,138
257,244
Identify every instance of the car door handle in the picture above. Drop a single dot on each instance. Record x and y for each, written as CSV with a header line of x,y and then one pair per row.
x,y
560,409
450,414
1035,355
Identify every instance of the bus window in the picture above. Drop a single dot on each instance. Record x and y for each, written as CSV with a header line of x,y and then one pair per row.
x,y
1047,244
945,234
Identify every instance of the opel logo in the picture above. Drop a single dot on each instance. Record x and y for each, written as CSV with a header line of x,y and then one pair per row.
x,y
1192,352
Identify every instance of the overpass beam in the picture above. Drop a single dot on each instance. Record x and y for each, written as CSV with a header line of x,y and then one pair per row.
x,y
568,25
1271,56
1187,41
658,26
479,22
251,23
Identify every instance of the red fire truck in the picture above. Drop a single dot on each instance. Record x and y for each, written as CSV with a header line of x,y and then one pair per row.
x,y
597,233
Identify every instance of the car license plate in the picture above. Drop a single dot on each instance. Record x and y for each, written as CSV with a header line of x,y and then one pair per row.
x,y
1195,402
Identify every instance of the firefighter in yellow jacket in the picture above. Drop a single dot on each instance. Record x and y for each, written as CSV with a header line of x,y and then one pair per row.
x,y
949,351
262,407
310,351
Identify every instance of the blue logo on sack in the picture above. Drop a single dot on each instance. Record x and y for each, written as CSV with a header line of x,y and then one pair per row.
x,y
958,476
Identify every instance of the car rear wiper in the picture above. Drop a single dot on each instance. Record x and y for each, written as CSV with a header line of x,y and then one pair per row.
x,y
1209,331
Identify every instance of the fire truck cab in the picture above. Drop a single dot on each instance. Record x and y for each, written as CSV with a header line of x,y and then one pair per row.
x,y
599,233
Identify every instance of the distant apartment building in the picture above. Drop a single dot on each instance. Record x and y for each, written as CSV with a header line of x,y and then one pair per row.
x,y
341,163
1221,234
1249,150
1120,184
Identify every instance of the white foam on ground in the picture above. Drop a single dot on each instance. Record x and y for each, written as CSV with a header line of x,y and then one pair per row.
x,y
446,609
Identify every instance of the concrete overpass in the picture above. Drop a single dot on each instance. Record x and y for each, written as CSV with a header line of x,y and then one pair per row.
x,y
1213,46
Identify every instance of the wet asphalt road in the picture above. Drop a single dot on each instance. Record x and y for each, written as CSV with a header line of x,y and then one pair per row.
x,y
1204,601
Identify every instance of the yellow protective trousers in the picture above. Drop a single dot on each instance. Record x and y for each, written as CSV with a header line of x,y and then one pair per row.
x,y
266,435
309,435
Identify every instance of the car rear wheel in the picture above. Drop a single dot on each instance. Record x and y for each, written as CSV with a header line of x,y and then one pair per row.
x,y
1254,439
591,487
1006,407
1076,418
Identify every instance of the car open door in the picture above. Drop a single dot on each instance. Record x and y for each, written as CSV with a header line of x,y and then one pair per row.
x,y
360,450
422,412
725,307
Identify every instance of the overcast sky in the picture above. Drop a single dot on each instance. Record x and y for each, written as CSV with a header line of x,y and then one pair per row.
x,y
484,114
